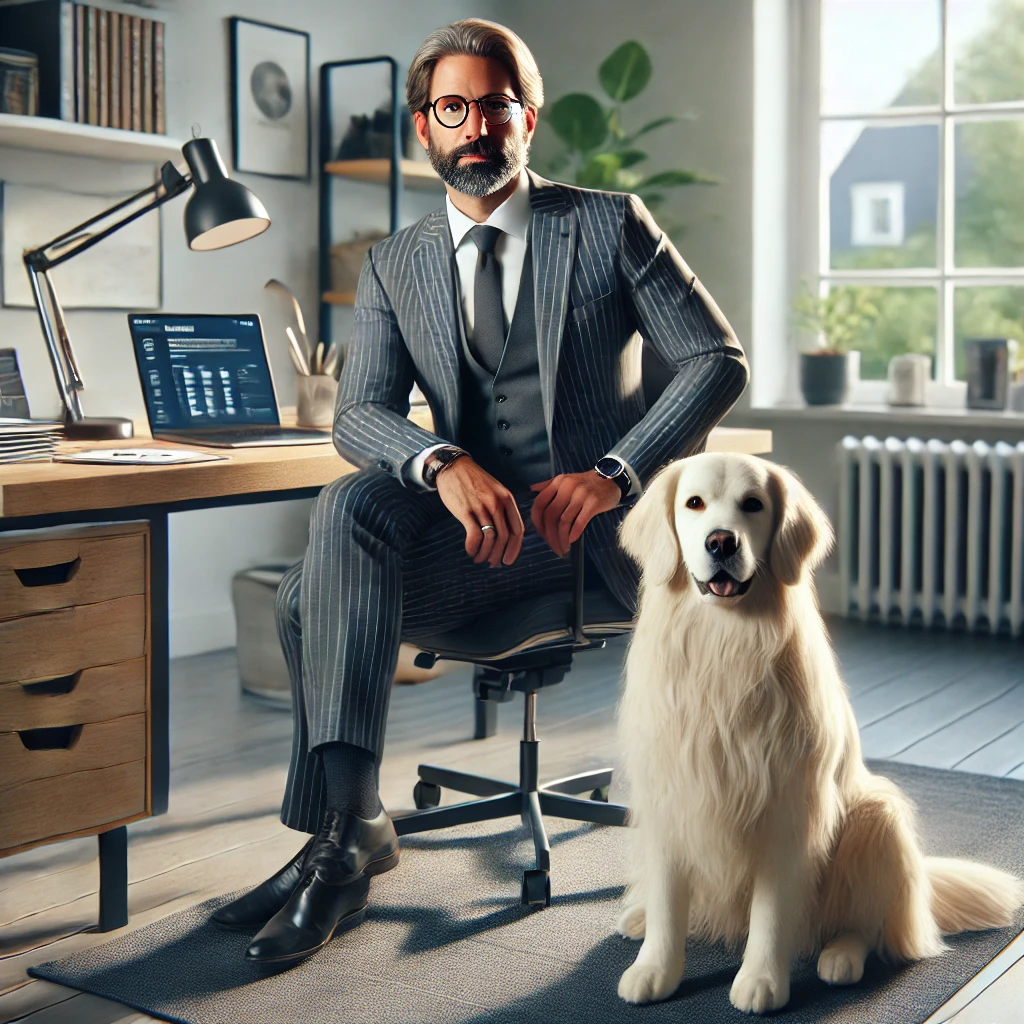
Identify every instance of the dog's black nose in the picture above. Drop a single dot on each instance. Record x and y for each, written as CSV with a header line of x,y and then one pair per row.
x,y
721,544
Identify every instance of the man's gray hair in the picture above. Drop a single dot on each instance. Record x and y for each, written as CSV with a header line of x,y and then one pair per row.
x,y
474,37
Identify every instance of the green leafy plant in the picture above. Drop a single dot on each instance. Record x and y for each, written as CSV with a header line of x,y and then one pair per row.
x,y
599,152
840,319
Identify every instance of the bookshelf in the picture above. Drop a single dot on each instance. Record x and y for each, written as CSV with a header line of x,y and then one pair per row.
x,y
414,174
55,136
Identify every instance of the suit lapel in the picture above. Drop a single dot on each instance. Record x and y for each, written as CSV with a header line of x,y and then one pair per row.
x,y
433,262
553,228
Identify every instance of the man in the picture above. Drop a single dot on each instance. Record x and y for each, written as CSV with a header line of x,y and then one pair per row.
x,y
519,310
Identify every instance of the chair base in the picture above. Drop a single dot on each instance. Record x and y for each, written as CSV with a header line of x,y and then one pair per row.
x,y
501,799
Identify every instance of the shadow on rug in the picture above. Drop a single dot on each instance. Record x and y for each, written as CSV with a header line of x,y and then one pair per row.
x,y
446,938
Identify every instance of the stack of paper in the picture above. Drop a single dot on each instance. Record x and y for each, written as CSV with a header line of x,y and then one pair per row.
x,y
28,440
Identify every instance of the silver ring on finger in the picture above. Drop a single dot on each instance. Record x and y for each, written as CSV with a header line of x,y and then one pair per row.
x,y
485,527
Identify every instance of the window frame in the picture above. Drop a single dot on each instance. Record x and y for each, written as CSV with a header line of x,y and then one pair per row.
x,y
809,226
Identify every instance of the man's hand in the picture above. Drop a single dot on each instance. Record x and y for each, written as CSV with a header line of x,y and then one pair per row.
x,y
476,499
567,502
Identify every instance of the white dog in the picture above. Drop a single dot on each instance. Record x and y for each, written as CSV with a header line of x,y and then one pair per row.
x,y
752,812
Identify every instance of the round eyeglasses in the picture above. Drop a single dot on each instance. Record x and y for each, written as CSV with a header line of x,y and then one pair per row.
x,y
452,111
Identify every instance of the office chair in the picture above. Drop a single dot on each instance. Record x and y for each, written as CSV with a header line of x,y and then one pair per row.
x,y
525,651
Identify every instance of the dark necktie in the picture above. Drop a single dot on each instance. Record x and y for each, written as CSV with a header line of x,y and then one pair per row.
x,y
488,313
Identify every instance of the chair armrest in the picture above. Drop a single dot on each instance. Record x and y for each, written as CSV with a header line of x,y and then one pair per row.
x,y
576,553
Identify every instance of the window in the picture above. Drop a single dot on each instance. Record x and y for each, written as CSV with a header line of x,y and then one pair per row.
x,y
920,133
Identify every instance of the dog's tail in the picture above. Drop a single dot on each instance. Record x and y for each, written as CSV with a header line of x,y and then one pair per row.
x,y
970,897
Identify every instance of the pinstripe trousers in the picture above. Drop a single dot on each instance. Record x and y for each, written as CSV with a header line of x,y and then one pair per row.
x,y
386,564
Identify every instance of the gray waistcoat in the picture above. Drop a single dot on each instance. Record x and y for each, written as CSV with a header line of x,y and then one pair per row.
x,y
503,414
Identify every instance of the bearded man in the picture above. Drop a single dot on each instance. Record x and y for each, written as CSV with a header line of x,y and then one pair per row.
x,y
519,309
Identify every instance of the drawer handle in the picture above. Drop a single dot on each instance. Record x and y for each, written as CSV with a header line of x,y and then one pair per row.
x,y
48,575
62,737
52,687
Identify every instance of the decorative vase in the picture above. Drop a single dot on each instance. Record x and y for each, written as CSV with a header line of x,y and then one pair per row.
x,y
315,397
908,378
825,377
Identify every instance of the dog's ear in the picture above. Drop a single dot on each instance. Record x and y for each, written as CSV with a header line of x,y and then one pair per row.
x,y
803,535
648,533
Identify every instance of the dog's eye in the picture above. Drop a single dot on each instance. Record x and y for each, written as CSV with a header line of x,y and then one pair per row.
x,y
751,505
696,502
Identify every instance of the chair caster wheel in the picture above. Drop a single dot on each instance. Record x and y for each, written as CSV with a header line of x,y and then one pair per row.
x,y
600,794
536,889
425,795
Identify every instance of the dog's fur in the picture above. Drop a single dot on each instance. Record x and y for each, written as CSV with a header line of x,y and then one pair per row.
x,y
752,813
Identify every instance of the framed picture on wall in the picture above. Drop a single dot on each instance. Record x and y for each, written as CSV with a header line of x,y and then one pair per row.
x,y
269,99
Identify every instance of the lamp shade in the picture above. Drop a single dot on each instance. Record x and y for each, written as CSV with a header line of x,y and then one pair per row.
x,y
220,211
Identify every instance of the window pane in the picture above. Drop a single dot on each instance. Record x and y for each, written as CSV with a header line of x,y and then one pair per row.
x,y
903,320
883,194
987,39
989,215
987,313
879,53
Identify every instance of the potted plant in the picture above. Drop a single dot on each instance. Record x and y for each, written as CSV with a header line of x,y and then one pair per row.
x,y
598,151
838,321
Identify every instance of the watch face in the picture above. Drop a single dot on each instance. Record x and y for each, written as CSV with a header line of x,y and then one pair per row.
x,y
609,466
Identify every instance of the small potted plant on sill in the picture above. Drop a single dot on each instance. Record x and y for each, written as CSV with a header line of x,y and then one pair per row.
x,y
838,320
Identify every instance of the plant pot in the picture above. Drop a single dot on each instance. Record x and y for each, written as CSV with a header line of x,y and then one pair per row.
x,y
825,377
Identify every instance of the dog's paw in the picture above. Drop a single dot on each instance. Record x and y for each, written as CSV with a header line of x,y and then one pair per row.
x,y
839,964
649,982
633,923
758,992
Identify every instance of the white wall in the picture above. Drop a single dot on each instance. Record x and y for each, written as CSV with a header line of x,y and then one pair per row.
x,y
701,58
207,547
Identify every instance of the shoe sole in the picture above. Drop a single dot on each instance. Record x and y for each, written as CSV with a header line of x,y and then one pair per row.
x,y
347,923
382,864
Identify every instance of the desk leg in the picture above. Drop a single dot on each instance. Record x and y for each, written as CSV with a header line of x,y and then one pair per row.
x,y
113,879
160,654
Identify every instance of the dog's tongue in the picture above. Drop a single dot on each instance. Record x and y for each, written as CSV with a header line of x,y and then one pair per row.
x,y
723,587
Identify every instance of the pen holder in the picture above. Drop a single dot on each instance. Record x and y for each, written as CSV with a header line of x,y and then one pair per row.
x,y
315,396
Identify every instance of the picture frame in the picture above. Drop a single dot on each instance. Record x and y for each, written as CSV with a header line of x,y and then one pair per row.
x,y
988,371
270,99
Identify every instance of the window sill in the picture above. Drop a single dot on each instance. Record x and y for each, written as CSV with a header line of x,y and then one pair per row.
x,y
857,413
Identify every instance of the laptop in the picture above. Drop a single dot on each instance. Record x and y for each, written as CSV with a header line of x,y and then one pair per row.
x,y
206,380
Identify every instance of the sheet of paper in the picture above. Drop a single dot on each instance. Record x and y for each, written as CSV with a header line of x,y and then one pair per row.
x,y
139,456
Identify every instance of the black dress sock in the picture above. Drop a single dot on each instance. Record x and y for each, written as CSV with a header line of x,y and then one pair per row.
x,y
351,776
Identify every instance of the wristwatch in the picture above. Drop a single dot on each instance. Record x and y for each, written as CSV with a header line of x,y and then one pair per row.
x,y
612,468
438,459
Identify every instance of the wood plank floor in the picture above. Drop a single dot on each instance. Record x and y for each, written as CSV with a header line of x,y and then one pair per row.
x,y
950,701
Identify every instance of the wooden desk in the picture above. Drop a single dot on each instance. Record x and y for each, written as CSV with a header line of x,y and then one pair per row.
x,y
39,497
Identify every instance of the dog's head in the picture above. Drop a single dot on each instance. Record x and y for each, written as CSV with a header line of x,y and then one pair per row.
x,y
725,520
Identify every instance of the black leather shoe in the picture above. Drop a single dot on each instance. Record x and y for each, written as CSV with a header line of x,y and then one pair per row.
x,y
259,905
331,895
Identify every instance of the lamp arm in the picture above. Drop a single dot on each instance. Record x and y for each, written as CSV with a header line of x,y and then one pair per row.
x,y
172,182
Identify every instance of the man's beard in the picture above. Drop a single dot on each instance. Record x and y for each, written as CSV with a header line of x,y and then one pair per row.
x,y
503,162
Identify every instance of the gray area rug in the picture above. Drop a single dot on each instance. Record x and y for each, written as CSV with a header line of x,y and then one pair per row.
x,y
446,938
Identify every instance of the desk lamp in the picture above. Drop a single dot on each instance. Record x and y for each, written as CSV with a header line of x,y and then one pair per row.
x,y
219,213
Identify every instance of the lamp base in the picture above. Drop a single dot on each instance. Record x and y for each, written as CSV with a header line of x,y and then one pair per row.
x,y
98,428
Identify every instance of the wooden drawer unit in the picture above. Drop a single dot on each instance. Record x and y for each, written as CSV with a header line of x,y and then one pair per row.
x,y
74,682
45,569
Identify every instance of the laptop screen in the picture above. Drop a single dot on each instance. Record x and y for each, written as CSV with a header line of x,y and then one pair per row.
x,y
203,370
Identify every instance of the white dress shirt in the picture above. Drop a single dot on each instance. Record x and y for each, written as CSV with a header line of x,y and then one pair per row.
x,y
513,218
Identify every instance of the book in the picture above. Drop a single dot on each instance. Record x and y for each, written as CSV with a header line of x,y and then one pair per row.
x,y
103,65
159,111
115,69
12,390
147,75
126,71
81,114
136,73
47,29
92,81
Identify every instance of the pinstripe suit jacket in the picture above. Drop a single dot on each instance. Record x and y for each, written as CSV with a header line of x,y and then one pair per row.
x,y
605,277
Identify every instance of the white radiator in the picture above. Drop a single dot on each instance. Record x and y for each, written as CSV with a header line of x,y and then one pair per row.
x,y
930,533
